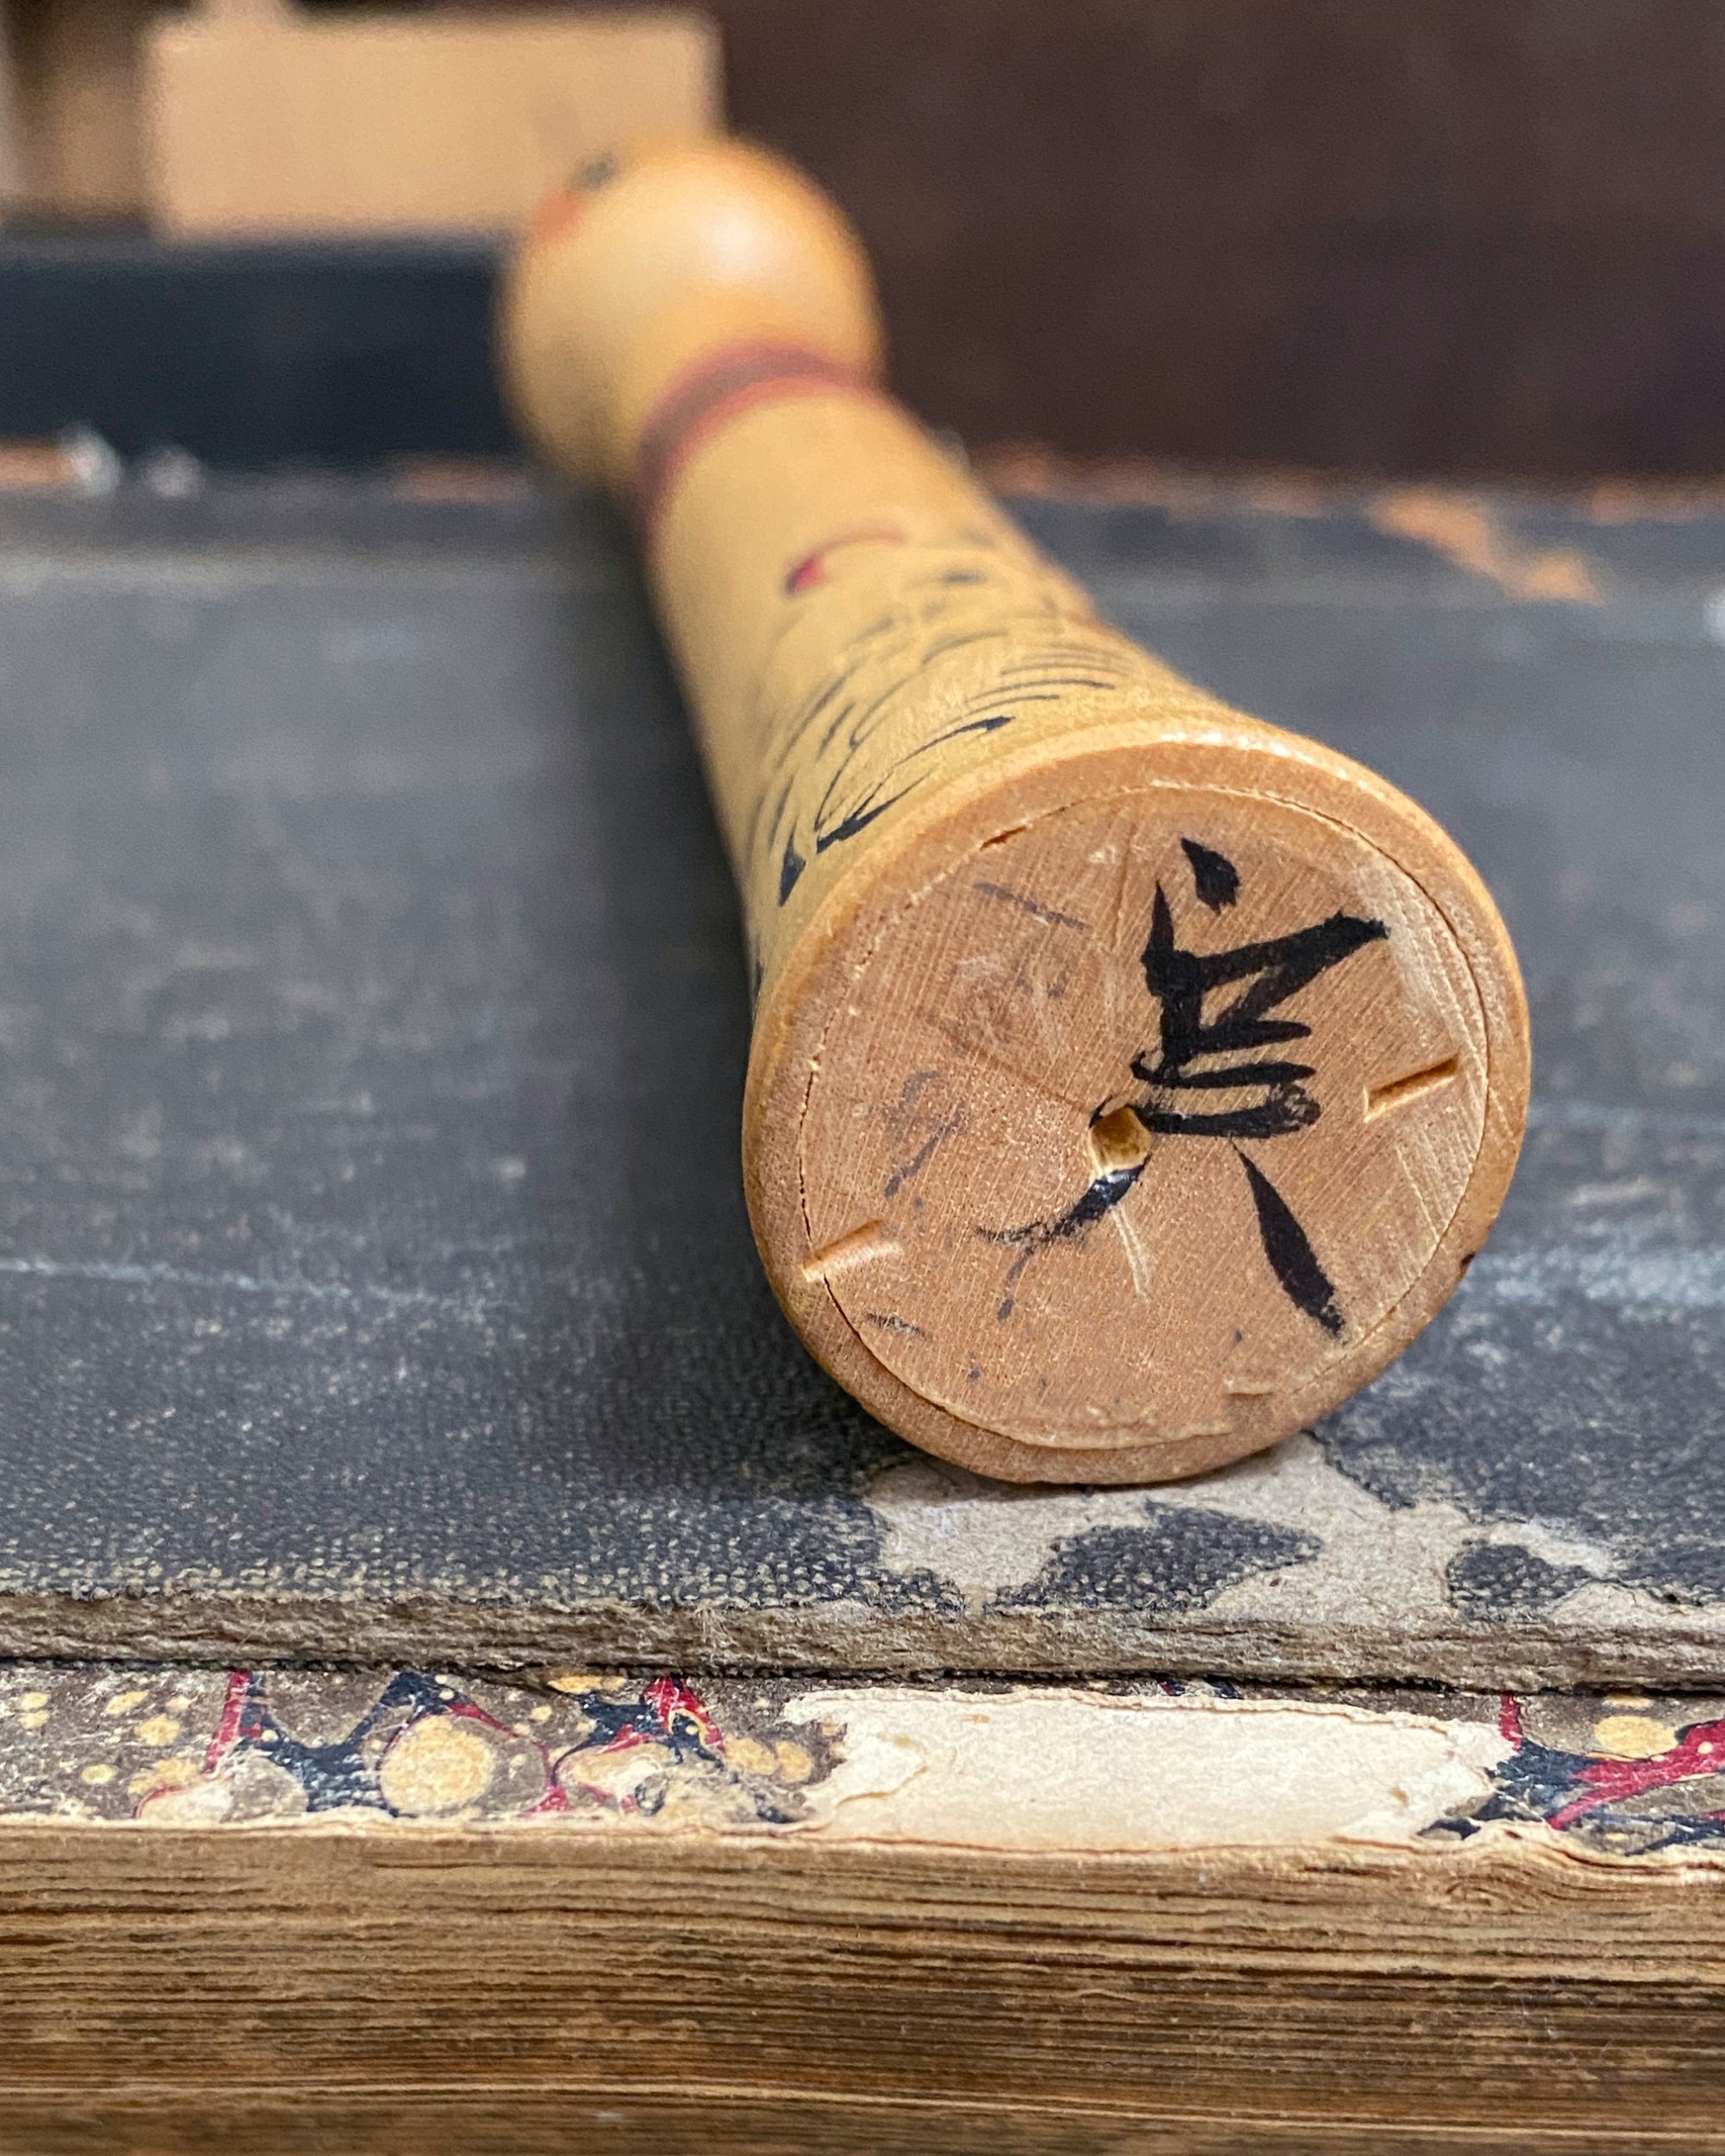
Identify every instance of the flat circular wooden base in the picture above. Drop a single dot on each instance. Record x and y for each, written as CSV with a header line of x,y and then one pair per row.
x,y
1140,1129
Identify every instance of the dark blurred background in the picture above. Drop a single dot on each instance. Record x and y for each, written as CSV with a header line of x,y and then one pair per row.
x,y
1434,237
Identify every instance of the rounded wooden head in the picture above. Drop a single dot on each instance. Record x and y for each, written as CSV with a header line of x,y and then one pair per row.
x,y
1130,1080
643,265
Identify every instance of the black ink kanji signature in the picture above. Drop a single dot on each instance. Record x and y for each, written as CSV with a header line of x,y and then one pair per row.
x,y
1229,1042
1180,980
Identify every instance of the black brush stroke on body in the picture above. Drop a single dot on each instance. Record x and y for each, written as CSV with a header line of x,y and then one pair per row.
x,y
1215,877
1292,1259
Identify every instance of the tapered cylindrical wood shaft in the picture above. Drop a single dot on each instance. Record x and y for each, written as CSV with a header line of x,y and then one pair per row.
x,y
1131,1080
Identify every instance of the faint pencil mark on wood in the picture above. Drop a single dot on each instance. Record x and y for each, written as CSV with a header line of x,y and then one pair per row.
x,y
1050,917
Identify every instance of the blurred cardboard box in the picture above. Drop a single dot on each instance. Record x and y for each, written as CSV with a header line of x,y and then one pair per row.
x,y
69,108
261,119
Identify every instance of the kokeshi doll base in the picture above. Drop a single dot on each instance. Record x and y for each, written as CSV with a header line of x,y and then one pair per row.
x,y
1002,1249
1131,1080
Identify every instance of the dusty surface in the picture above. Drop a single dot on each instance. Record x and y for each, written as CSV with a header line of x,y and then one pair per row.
x,y
373,1276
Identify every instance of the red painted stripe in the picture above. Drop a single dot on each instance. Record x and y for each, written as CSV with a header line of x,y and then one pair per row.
x,y
560,212
718,389
226,1734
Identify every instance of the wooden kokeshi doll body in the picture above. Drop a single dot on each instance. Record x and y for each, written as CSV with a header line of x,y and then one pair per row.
x,y
1131,1080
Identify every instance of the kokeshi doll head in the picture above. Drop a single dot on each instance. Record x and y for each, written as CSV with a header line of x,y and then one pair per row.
x,y
1131,1080
629,280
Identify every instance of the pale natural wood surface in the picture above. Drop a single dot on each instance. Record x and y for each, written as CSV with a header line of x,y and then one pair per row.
x,y
314,1988
1130,1080
261,118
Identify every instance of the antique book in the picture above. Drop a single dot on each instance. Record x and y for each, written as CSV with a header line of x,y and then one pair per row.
x,y
376,1282
374,1910
472,1675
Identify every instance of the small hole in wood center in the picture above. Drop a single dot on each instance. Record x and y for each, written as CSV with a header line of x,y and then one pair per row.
x,y
1118,1140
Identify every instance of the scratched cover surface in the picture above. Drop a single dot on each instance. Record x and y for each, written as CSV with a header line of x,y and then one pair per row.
x,y
374,1273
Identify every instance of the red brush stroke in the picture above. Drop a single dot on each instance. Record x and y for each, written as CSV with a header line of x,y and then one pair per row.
x,y
661,1700
670,1695
559,213
812,569
1700,1751
230,1728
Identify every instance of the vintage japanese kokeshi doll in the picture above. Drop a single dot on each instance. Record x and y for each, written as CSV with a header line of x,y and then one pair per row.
x,y
1131,1080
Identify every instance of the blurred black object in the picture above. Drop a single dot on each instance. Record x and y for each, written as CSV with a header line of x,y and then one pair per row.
x,y
1453,237
1441,237
317,352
